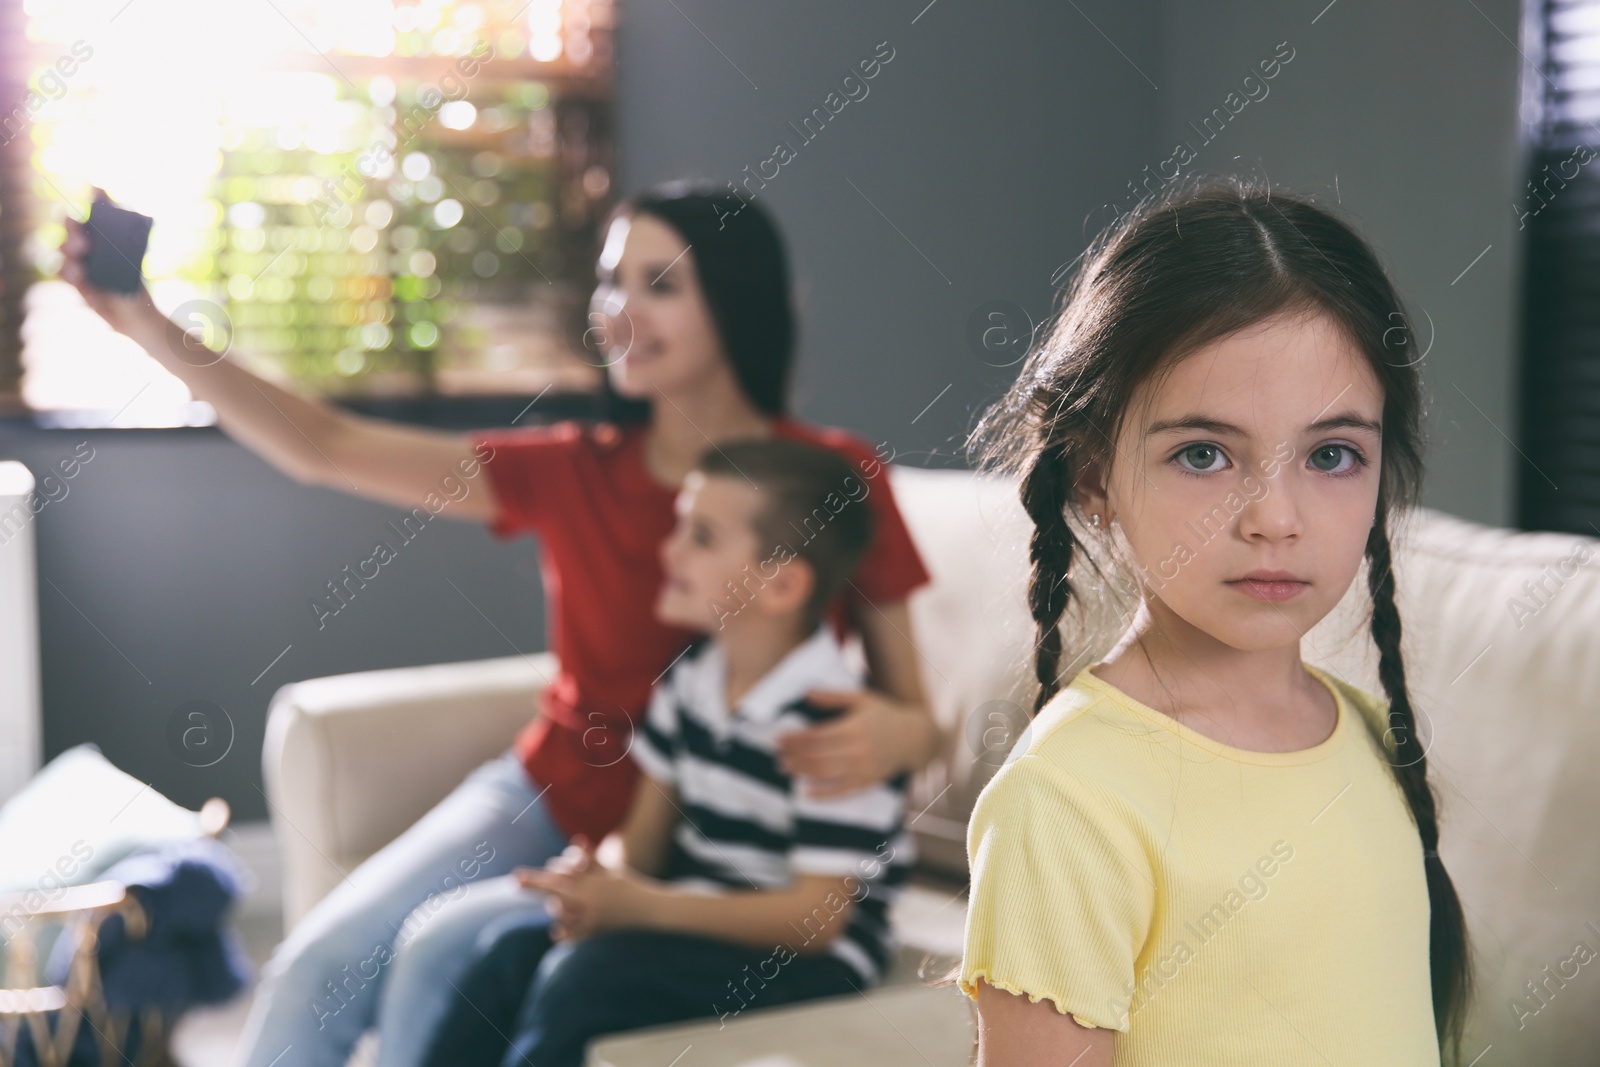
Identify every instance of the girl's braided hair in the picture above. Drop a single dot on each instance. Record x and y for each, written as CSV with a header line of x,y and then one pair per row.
x,y
1194,263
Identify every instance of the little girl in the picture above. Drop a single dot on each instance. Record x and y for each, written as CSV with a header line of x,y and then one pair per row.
x,y
1203,851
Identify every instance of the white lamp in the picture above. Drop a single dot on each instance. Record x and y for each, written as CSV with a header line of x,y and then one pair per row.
x,y
19,631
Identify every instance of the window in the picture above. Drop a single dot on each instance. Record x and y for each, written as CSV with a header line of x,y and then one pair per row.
x,y
1559,213
372,198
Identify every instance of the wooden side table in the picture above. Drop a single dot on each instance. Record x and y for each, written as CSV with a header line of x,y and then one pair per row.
x,y
54,1015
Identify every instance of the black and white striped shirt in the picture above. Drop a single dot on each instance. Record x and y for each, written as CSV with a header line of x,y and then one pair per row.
x,y
747,824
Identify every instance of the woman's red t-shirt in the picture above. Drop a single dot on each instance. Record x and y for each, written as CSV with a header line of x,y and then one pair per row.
x,y
585,491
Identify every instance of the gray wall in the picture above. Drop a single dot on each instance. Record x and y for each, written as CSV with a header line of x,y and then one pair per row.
x,y
179,565
962,178
1413,108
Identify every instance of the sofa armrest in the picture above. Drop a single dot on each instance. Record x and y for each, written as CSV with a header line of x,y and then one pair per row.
x,y
351,760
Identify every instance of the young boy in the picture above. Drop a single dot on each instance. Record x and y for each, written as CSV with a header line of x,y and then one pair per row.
x,y
734,887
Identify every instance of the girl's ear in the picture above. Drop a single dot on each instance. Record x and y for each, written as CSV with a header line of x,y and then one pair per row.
x,y
1089,490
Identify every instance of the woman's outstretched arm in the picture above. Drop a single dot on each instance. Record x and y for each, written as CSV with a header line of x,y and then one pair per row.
x,y
303,436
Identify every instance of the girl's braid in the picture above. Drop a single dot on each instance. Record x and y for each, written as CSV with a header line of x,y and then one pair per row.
x,y
1451,975
1045,496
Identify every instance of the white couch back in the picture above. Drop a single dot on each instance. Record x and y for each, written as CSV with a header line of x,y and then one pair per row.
x,y
1506,677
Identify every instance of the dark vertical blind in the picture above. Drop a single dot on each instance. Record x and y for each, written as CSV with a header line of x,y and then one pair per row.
x,y
16,179
1559,213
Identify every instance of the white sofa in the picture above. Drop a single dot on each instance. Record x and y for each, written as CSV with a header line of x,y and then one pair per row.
x,y
1511,699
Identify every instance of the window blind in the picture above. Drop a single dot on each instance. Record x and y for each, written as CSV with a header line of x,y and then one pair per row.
x,y
1558,213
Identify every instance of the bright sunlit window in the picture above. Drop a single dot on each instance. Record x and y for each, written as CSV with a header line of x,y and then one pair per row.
x,y
364,196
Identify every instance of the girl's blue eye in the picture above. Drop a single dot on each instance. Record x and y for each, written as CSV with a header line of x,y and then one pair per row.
x,y
1203,455
1332,454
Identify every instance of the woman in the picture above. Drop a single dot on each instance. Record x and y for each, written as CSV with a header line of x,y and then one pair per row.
x,y
697,323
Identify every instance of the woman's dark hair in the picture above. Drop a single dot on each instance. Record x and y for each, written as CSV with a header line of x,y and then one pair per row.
x,y
1194,263
744,274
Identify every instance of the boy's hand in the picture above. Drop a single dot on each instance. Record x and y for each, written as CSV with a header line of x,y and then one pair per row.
x,y
576,857
584,896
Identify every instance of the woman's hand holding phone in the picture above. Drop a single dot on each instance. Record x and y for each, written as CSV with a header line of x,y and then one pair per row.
x,y
127,313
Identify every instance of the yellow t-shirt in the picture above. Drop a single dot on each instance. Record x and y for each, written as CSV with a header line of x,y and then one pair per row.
x,y
1215,905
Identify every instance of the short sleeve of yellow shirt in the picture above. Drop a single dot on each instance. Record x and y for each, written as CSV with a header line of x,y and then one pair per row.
x,y
1076,942
1214,905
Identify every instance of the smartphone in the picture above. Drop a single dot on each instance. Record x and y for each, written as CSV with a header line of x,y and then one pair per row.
x,y
117,241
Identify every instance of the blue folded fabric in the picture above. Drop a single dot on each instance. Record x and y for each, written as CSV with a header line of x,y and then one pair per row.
x,y
188,955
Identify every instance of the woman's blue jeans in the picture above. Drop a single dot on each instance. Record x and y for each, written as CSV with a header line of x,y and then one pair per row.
x,y
385,947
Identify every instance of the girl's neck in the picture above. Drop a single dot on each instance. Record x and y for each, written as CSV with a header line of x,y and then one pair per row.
x,y
683,426
1261,700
